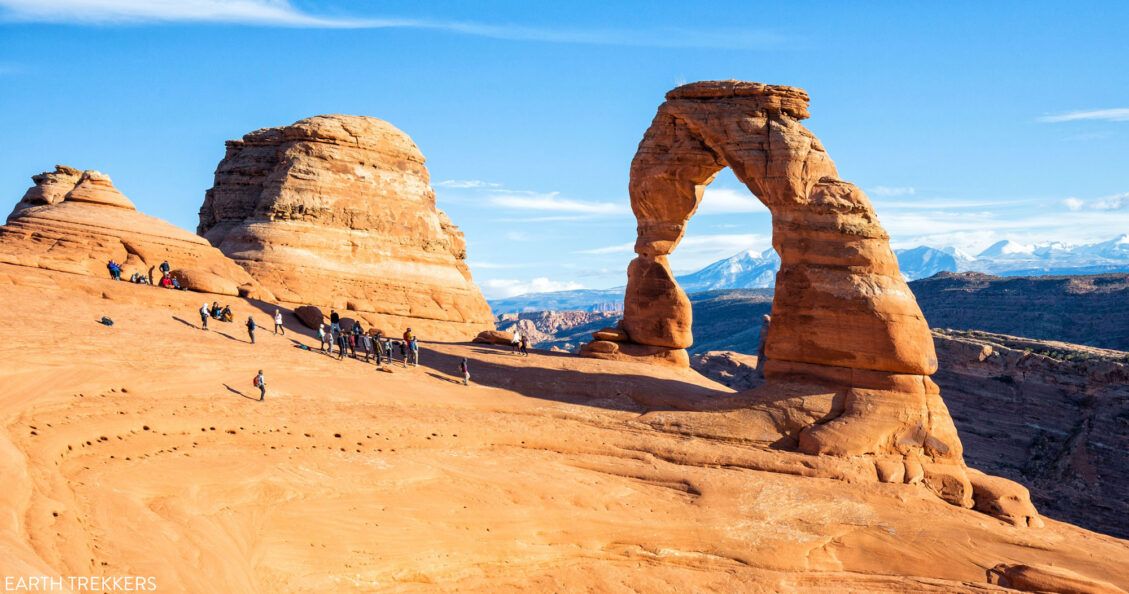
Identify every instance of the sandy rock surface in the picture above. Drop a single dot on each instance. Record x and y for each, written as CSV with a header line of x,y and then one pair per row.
x,y
141,449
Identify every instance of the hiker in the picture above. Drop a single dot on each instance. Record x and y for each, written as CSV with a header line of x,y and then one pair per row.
x,y
366,342
216,311
251,328
322,339
515,342
261,383
404,353
358,339
463,367
413,347
342,344
204,316
766,321
335,322
278,322
166,281
115,270
226,315
378,345
176,283
524,345
165,268
352,338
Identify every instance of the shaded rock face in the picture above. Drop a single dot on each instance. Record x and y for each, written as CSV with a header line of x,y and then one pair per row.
x,y
337,211
77,221
1092,309
842,314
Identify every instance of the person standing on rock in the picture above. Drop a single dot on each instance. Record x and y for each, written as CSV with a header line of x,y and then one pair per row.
x,y
251,328
515,342
413,348
334,323
404,352
204,315
465,368
342,344
524,345
261,383
766,321
278,322
165,268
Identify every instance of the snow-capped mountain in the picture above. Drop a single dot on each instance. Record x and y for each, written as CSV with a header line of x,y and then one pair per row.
x,y
745,270
755,270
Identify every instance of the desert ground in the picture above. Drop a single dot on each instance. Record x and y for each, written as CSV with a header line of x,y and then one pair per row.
x,y
142,449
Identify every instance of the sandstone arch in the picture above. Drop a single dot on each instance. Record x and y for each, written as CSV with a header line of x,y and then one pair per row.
x,y
842,314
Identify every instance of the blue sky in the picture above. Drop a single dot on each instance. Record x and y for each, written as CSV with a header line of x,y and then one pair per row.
x,y
966,122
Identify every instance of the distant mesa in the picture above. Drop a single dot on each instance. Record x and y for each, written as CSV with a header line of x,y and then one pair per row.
x,y
337,211
76,221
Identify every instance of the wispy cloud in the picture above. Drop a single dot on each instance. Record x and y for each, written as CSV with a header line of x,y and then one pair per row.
x,y
467,184
502,287
891,191
281,13
729,201
1116,114
551,201
1074,204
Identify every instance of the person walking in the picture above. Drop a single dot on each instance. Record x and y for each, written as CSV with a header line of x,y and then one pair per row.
x,y
515,342
251,328
278,323
465,368
204,316
261,383
413,348
524,345
322,340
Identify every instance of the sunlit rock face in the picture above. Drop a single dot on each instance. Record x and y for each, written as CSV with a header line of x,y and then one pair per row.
x,y
337,211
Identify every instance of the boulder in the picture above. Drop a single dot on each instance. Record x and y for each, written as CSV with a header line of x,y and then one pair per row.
x,y
1047,578
612,334
1003,499
202,281
310,316
494,337
337,211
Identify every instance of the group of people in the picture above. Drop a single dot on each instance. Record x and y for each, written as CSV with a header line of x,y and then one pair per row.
x,y
167,281
215,312
350,338
519,341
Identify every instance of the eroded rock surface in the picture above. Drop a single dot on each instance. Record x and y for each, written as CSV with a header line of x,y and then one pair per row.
x,y
77,221
337,211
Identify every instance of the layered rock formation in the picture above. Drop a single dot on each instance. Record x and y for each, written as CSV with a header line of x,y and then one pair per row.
x,y
337,211
843,317
1086,309
77,221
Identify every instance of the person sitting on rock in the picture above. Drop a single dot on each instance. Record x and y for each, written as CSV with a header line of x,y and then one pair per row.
x,y
251,328
166,281
226,315
175,283
278,329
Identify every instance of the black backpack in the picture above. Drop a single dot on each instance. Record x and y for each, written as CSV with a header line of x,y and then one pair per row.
x,y
106,321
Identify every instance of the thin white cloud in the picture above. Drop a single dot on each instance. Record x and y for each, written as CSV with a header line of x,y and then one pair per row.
x,y
1115,202
281,13
891,191
467,184
551,201
500,288
1117,114
729,201
1074,204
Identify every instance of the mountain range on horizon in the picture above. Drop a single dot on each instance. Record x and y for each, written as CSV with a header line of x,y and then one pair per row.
x,y
750,269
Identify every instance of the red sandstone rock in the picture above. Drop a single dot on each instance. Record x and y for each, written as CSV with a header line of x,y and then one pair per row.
x,y
77,221
337,211
494,337
1047,578
310,316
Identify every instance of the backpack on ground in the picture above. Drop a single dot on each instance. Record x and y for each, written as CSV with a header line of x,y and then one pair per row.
x,y
105,321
